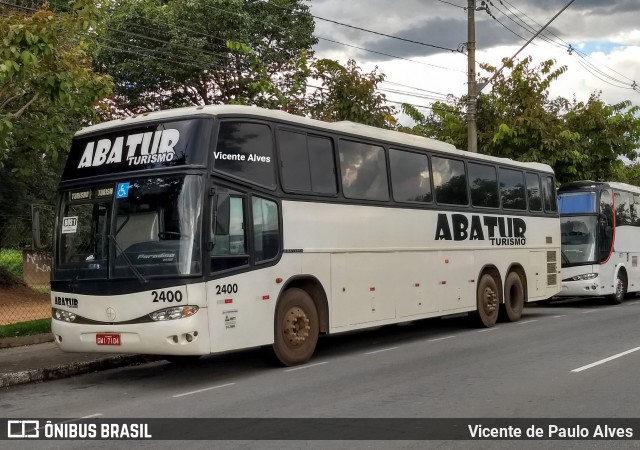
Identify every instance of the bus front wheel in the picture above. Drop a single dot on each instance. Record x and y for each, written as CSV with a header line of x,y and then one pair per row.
x,y
513,297
621,288
296,328
488,302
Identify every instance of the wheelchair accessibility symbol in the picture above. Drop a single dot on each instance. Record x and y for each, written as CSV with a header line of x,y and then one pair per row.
x,y
123,190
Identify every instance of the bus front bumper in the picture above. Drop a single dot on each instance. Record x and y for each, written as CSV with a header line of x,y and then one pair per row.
x,y
186,336
582,288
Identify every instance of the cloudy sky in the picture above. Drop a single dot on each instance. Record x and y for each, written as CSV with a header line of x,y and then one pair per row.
x,y
606,34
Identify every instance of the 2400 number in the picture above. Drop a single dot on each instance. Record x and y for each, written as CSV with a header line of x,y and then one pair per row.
x,y
226,289
166,296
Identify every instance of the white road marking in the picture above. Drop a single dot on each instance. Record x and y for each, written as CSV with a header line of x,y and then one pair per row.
x,y
91,416
589,311
561,315
203,390
380,351
528,321
306,367
488,329
440,339
602,361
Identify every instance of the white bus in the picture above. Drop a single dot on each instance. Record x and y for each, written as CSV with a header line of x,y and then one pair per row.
x,y
207,229
600,229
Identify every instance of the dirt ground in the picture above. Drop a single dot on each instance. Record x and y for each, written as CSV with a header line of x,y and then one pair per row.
x,y
22,303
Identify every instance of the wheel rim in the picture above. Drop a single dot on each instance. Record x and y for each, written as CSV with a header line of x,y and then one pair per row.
x,y
489,300
619,287
295,327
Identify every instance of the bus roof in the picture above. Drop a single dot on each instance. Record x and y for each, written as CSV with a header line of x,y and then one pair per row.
x,y
352,128
587,184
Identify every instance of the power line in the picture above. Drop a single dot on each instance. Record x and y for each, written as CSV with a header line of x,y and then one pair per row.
x,y
362,29
569,46
528,28
453,4
391,56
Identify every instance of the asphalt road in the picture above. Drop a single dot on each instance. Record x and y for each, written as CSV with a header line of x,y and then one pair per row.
x,y
572,359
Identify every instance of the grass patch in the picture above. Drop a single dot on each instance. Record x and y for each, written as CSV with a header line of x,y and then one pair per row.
x,y
25,328
12,261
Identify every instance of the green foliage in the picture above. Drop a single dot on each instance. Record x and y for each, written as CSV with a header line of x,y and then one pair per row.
x,y
348,94
517,119
11,260
171,53
47,91
25,328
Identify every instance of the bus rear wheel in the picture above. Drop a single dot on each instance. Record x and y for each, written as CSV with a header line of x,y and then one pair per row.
x,y
488,302
513,298
621,289
296,328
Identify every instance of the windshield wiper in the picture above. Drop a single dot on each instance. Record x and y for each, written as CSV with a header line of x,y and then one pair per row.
x,y
135,271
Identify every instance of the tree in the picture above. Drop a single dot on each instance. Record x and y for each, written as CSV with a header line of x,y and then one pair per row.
x,y
46,80
518,119
168,53
348,94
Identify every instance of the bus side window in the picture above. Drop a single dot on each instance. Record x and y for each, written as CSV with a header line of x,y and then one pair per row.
x,y
266,230
549,195
512,189
621,202
533,192
635,209
449,181
229,233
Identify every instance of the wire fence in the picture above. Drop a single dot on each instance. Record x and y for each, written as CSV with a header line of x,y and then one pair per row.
x,y
25,266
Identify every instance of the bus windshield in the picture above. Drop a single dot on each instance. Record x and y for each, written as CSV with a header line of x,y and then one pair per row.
x,y
143,227
578,239
577,203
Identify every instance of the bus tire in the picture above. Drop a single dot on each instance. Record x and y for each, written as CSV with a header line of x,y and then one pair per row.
x,y
487,302
513,298
296,328
621,288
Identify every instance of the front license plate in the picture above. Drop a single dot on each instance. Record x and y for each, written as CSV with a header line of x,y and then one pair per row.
x,y
107,339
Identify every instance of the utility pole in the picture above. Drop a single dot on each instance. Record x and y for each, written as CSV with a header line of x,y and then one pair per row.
x,y
472,132
472,129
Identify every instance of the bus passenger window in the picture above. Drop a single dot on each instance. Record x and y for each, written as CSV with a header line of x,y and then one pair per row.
x,y
623,208
410,179
266,230
307,163
245,150
549,195
533,192
512,189
364,171
449,181
483,182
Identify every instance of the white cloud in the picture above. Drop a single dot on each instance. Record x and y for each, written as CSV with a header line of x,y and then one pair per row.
x,y
612,28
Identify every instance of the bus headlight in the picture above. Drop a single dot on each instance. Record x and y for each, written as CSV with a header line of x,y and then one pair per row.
x,y
584,276
177,312
65,316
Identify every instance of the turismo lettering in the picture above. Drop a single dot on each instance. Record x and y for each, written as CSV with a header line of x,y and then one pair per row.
x,y
141,148
498,230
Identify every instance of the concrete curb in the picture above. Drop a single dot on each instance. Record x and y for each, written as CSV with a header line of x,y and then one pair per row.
x,y
19,341
69,370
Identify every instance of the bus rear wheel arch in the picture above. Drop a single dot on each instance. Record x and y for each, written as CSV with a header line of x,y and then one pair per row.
x,y
296,328
487,300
